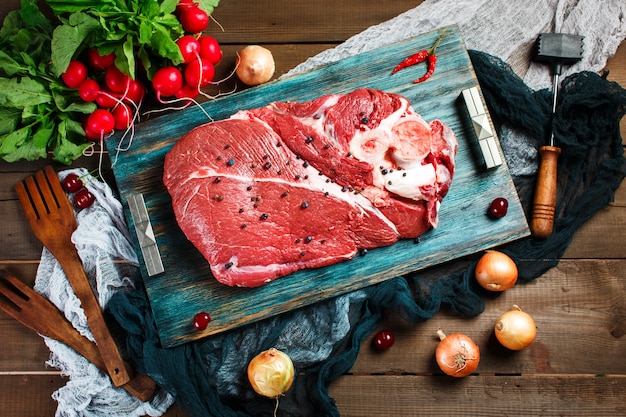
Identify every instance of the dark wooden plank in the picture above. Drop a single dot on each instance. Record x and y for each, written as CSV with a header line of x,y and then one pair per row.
x,y
590,240
29,395
576,320
298,22
187,288
413,396
581,327
406,395
24,350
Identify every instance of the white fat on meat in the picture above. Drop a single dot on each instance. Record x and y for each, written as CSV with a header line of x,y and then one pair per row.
x,y
398,163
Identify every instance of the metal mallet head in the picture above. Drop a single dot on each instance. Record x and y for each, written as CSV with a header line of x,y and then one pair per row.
x,y
558,49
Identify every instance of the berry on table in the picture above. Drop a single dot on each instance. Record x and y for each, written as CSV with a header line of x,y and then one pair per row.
x,y
383,340
83,198
72,183
498,208
201,320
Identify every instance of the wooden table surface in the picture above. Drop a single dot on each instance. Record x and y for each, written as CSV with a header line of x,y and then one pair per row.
x,y
575,367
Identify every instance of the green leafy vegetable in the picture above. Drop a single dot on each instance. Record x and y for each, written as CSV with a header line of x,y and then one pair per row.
x,y
144,30
38,113
35,107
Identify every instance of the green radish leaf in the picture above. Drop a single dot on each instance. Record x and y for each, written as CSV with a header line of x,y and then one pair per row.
x,y
125,57
145,32
10,66
16,145
12,24
67,104
33,18
23,92
208,5
9,119
168,6
163,44
70,6
66,150
68,38
42,136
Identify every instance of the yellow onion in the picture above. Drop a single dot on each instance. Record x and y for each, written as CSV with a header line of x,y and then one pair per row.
x,y
255,65
496,271
515,329
457,355
271,373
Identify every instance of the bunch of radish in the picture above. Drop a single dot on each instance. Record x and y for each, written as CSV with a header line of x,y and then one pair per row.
x,y
119,95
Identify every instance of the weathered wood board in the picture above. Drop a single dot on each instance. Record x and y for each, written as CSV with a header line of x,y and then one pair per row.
x,y
187,287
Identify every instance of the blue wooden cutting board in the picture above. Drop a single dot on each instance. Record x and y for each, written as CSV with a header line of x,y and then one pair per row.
x,y
186,286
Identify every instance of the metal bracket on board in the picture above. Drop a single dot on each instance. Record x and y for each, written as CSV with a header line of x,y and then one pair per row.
x,y
145,234
482,127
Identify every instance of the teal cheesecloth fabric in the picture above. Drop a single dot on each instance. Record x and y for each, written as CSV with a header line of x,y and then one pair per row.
x,y
208,377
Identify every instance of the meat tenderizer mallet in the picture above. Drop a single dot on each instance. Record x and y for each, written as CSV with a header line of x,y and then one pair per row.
x,y
557,49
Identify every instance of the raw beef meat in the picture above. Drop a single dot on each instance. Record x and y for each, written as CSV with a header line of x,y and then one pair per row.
x,y
302,185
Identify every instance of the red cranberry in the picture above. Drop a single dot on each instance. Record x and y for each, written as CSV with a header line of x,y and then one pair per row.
x,y
498,208
83,198
201,320
72,183
383,340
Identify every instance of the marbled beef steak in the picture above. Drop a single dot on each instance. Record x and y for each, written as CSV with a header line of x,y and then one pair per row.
x,y
302,185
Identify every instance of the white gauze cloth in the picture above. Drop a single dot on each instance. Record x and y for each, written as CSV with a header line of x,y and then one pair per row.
x,y
504,28
108,257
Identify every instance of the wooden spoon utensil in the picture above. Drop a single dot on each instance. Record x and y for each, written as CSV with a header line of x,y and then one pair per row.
x,y
38,314
52,219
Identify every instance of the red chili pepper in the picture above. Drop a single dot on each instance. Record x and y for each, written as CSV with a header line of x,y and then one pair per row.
x,y
411,60
418,57
432,63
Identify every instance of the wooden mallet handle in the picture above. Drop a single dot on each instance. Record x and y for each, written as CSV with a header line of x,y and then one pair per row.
x,y
544,203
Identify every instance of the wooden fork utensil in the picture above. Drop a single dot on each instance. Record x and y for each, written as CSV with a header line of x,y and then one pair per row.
x,y
37,313
52,219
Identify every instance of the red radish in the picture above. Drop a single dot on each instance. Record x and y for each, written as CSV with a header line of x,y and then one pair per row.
x,y
89,90
75,74
188,91
90,134
167,81
116,80
194,19
210,49
106,99
135,92
199,73
189,48
184,5
101,122
123,116
99,62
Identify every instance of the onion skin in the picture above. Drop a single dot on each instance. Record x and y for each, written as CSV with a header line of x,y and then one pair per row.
x,y
457,355
271,373
515,329
255,65
496,271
